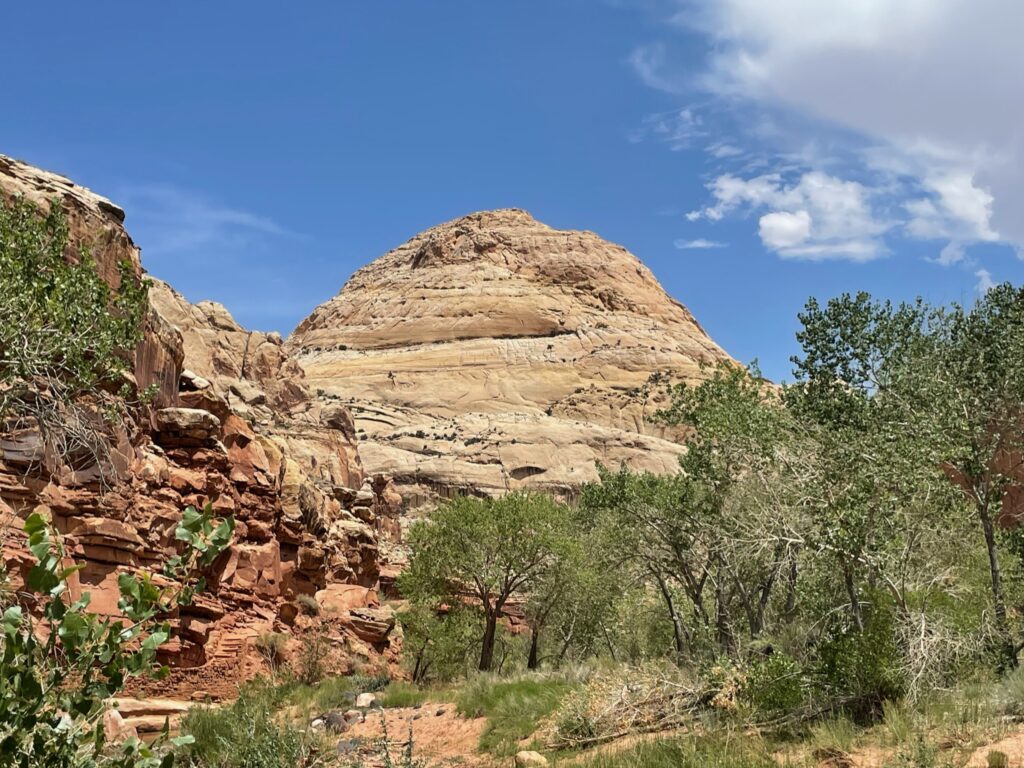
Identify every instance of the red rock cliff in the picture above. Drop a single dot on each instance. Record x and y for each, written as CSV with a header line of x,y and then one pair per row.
x,y
232,422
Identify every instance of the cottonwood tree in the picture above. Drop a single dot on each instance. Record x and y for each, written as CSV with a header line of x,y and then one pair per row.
x,y
861,397
643,527
892,395
976,377
486,552
741,450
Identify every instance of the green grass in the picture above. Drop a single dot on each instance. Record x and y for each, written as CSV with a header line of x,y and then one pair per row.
x,y
402,694
838,733
330,693
513,708
245,734
685,752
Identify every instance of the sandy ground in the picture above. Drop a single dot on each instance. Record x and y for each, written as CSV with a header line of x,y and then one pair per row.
x,y
445,739
1011,746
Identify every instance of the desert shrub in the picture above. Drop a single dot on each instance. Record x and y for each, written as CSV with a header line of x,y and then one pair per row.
x,y
833,735
60,664
246,734
271,646
513,707
859,670
335,693
309,666
898,720
1009,693
308,605
923,754
701,752
373,683
401,694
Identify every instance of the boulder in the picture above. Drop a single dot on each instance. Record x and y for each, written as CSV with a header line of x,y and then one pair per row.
x,y
373,624
530,759
366,700
186,420
336,722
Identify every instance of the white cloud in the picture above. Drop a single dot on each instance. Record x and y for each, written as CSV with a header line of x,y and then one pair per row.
x,y
782,230
816,217
678,128
952,253
985,281
699,244
169,221
722,150
648,61
932,83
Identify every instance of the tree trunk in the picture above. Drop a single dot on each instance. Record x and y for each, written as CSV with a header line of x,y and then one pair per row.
x,y
851,592
677,623
998,598
790,608
487,645
533,661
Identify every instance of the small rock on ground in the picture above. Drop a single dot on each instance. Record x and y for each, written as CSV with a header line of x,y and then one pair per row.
x,y
530,759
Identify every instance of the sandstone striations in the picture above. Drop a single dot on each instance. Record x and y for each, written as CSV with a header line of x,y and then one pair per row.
x,y
232,422
494,352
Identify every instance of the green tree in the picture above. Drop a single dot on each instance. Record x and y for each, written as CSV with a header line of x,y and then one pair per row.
x,y
486,551
438,644
60,664
63,332
862,395
976,383
742,453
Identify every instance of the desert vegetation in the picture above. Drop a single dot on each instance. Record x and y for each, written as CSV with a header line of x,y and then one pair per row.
x,y
836,550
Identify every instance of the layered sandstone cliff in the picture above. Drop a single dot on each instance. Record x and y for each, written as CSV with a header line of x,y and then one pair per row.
x,y
494,352
232,423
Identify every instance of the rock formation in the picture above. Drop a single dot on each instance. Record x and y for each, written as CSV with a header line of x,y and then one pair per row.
x,y
232,422
494,352
486,354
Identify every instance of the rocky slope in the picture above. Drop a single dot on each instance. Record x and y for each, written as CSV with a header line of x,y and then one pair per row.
x,y
495,352
232,422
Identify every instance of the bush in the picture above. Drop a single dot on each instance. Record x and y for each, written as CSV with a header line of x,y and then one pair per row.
x,y
861,670
245,734
309,668
63,331
774,686
308,605
439,647
271,646
701,752
513,708
399,694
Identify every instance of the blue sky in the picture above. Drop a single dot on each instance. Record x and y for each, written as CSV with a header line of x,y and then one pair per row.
x,y
752,154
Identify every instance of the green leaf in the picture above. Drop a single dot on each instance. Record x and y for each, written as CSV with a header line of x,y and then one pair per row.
x,y
12,620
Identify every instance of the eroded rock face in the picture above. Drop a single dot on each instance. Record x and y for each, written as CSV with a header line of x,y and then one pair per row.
x,y
233,423
494,352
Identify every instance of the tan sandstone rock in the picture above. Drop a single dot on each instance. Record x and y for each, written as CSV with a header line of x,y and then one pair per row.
x,y
495,352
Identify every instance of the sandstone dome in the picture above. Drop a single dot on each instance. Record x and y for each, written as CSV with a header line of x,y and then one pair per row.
x,y
494,351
